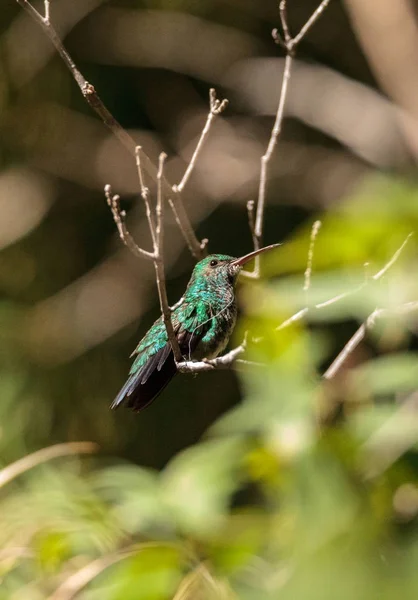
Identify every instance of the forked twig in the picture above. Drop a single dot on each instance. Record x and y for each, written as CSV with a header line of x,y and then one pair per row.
x,y
216,107
113,200
290,45
93,99
378,313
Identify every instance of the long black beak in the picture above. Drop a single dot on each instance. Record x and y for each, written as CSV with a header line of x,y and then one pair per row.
x,y
239,262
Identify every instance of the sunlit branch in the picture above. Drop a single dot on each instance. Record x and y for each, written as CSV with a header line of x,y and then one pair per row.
x,y
308,272
216,107
221,362
159,263
119,216
304,311
93,99
360,334
289,44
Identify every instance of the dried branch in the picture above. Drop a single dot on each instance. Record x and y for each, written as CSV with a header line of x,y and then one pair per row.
x,y
314,233
113,200
289,44
360,334
221,362
394,258
216,107
304,311
159,264
312,19
95,102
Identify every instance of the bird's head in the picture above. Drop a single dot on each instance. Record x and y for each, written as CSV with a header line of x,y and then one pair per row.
x,y
224,269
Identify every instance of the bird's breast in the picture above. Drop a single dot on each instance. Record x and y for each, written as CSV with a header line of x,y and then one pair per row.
x,y
215,340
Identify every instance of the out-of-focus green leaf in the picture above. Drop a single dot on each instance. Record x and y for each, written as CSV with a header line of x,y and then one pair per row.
x,y
390,374
198,483
134,494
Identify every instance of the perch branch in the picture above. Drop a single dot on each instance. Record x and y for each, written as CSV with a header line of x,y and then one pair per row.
x,y
221,362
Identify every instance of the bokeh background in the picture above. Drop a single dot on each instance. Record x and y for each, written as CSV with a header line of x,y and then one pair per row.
x,y
74,301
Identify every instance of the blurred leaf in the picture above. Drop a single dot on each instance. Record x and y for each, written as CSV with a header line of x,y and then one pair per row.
x,y
198,483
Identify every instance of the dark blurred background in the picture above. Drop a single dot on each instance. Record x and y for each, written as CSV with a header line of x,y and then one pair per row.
x,y
74,302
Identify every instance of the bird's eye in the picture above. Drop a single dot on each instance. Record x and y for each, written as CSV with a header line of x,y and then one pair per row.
x,y
213,262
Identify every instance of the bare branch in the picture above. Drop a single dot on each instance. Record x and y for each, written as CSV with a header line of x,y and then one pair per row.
x,y
270,148
113,200
255,273
304,311
221,362
314,233
360,334
216,107
46,17
312,19
145,195
159,263
95,102
289,44
283,19
394,258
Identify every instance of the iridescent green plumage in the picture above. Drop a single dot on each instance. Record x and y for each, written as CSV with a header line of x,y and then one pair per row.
x,y
202,321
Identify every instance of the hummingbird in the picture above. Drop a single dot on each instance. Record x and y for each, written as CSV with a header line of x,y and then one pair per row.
x,y
203,321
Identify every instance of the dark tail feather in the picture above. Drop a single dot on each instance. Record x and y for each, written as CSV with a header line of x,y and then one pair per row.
x,y
148,382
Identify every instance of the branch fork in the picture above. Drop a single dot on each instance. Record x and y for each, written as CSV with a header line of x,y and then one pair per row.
x,y
290,45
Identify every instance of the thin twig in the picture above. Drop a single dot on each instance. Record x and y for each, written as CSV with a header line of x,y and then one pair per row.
x,y
394,258
221,362
308,272
283,20
304,311
312,19
290,45
46,17
145,195
216,107
270,147
93,99
159,263
119,215
360,334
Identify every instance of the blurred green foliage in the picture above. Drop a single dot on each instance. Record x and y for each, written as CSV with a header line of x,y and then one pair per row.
x,y
304,488
307,489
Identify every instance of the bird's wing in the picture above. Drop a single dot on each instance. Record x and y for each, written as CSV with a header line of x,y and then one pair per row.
x,y
154,365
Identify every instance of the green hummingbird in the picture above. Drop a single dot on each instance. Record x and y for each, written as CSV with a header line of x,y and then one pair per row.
x,y
203,321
